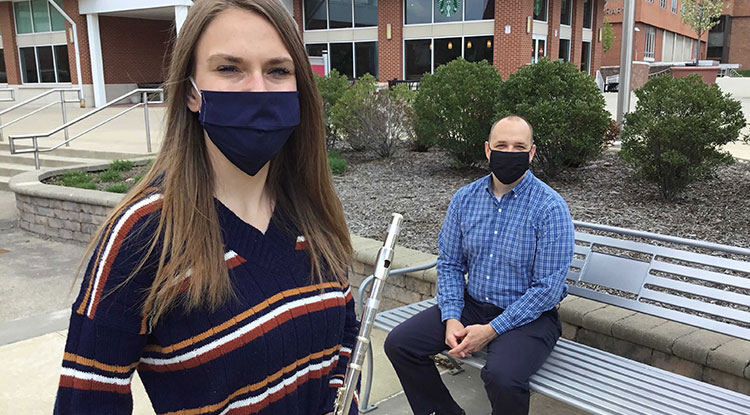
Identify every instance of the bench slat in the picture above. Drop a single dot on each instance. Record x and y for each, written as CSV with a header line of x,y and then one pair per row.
x,y
713,309
701,290
700,274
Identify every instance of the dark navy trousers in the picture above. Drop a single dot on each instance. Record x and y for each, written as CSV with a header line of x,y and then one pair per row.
x,y
511,358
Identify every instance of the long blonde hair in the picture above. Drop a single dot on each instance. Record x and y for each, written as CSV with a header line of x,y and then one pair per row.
x,y
299,178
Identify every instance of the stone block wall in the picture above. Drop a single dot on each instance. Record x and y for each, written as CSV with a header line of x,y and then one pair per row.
x,y
74,221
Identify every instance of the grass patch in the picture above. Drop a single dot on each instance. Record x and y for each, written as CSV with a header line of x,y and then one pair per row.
x,y
117,188
109,175
121,165
338,165
78,179
744,72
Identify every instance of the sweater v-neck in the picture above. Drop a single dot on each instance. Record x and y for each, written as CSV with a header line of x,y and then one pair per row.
x,y
248,241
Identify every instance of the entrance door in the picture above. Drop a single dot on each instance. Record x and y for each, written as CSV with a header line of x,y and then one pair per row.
x,y
539,48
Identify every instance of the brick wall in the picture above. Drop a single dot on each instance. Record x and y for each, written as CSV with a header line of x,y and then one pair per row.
x,y
597,53
73,221
739,42
71,9
553,32
512,51
297,7
390,51
10,48
134,50
576,37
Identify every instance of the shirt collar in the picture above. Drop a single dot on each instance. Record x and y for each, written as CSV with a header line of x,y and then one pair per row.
x,y
518,189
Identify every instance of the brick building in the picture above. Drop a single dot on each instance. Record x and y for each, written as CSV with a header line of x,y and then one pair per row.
x,y
729,41
403,39
661,36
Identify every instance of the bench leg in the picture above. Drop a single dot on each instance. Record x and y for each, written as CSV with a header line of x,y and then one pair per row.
x,y
455,363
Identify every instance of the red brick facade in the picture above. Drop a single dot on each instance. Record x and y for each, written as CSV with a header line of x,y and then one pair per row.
x,y
513,50
134,50
390,51
71,9
10,48
553,29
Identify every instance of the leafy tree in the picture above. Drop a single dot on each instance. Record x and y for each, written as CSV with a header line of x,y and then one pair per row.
x,y
701,16
608,35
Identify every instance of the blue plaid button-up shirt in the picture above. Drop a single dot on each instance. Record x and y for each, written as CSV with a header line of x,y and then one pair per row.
x,y
516,250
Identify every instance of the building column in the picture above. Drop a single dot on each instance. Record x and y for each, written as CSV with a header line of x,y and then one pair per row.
x,y
390,51
597,53
553,31
576,35
180,14
97,66
297,14
512,42
10,48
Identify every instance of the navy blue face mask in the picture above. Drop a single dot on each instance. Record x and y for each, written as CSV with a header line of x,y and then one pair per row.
x,y
249,128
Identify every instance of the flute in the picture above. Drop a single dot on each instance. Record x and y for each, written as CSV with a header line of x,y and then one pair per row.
x,y
345,393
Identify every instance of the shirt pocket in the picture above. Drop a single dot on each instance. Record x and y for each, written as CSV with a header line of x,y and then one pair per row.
x,y
519,248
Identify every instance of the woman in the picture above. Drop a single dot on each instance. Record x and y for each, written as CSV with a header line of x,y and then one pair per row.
x,y
221,276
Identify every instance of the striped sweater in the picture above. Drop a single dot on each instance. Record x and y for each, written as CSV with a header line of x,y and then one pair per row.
x,y
280,347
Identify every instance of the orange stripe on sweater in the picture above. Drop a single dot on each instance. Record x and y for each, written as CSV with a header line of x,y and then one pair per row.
x,y
129,223
102,244
70,357
239,318
259,385
242,340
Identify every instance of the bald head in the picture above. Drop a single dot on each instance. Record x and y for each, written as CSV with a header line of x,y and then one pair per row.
x,y
512,127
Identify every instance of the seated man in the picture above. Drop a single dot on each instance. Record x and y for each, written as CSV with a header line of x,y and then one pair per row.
x,y
514,236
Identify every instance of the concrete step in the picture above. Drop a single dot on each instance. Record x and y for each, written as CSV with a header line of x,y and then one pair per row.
x,y
47,160
80,153
4,183
12,169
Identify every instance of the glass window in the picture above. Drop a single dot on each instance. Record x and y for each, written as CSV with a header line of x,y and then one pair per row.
x,y
449,12
587,14
478,48
28,66
58,21
650,41
61,61
446,50
22,11
366,55
585,56
316,49
540,10
418,57
46,63
315,15
479,9
564,53
538,49
365,13
663,4
3,74
340,13
342,59
418,11
566,10
40,15
674,6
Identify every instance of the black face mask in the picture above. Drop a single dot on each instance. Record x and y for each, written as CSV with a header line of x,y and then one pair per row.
x,y
508,166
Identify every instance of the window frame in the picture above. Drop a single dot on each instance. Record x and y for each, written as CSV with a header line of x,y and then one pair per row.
x,y
546,12
591,15
432,16
432,48
31,18
354,53
649,52
674,6
570,14
663,4
36,63
328,20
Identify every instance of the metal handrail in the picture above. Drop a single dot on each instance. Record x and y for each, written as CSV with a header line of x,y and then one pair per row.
x,y
62,101
34,137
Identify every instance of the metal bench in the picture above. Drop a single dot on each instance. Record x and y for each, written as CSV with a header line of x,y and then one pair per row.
x,y
698,289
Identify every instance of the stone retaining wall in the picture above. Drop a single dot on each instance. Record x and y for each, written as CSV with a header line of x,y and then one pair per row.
x,y
690,351
61,212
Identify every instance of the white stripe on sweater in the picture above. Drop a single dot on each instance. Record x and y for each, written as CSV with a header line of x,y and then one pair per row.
x,y
66,371
279,386
284,308
112,237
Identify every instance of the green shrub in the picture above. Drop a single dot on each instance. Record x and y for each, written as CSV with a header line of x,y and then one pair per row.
x,y
744,72
109,175
121,165
345,114
674,135
565,108
455,108
77,178
117,188
331,88
338,165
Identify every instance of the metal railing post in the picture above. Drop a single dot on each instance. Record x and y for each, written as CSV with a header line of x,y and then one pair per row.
x,y
65,117
148,126
36,153
1,131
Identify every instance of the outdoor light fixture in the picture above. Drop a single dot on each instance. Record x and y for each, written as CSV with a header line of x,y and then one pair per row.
x,y
450,45
468,45
600,35
528,24
489,44
388,31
